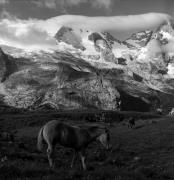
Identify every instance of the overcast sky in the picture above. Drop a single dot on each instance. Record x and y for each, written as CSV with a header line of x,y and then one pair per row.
x,y
43,9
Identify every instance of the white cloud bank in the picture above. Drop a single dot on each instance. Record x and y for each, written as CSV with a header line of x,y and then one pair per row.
x,y
39,34
116,24
25,35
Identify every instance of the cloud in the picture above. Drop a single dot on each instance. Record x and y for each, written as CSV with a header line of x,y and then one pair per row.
x,y
74,2
4,2
25,34
102,4
6,15
53,4
116,25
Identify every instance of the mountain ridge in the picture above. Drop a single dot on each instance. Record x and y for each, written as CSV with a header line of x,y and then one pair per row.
x,y
138,66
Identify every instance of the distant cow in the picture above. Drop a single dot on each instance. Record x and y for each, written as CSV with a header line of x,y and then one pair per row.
x,y
131,122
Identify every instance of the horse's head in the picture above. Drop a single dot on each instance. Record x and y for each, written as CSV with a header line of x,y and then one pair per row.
x,y
104,138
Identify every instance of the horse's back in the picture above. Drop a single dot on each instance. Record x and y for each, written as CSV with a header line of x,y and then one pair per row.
x,y
73,136
65,134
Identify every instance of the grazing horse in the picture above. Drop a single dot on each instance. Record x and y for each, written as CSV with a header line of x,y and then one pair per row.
x,y
75,137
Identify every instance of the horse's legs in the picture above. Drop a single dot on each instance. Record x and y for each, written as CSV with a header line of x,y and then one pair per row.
x,y
82,157
74,157
50,152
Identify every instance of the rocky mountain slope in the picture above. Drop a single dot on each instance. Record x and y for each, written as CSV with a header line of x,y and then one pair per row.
x,y
92,70
59,80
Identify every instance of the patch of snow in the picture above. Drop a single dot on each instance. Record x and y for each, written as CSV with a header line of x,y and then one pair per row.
x,y
142,53
118,52
166,35
170,69
48,67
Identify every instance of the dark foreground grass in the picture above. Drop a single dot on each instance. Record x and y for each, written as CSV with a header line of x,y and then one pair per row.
x,y
137,154
28,171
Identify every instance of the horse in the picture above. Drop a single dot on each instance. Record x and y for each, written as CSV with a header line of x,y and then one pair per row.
x,y
75,137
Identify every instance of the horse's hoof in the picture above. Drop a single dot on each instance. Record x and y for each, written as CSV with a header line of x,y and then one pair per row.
x,y
53,168
84,169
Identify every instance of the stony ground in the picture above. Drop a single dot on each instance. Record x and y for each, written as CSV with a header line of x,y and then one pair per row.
x,y
144,152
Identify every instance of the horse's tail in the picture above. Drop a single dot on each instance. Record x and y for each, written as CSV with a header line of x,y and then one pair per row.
x,y
40,139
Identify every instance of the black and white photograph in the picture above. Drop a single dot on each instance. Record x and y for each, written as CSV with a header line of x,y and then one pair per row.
x,y
86,89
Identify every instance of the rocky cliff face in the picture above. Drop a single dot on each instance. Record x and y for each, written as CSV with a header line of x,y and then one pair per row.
x,y
69,36
7,66
61,84
96,72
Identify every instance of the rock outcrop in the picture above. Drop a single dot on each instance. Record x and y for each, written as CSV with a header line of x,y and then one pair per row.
x,y
69,36
59,85
7,66
103,46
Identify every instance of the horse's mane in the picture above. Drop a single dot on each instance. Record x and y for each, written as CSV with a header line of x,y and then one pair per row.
x,y
93,128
